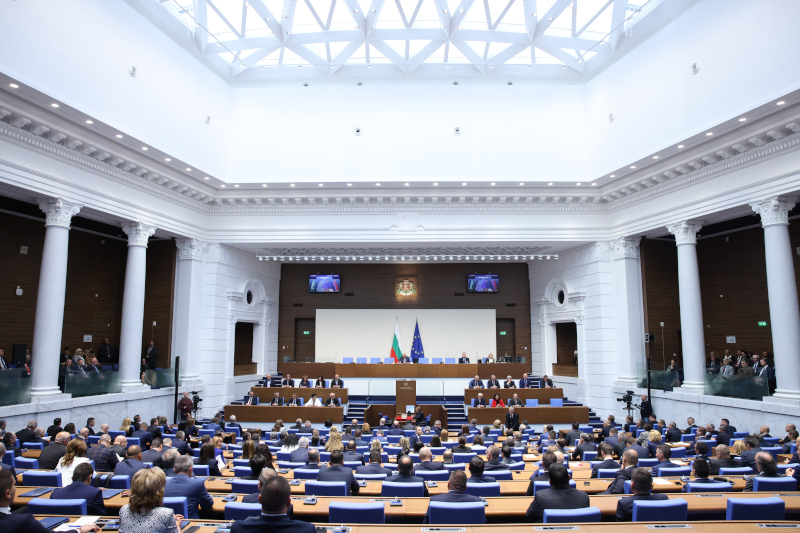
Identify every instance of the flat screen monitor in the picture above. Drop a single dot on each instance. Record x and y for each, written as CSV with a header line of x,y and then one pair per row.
x,y
483,283
324,283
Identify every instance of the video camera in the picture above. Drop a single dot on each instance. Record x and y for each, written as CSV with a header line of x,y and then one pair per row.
x,y
627,399
196,399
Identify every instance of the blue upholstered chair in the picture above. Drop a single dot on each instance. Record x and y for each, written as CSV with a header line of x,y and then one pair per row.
x,y
201,470
762,509
402,490
531,402
374,360
433,475
240,511
370,477
483,489
546,485
179,504
449,360
709,487
360,513
556,402
361,360
606,473
675,510
674,472
468,513
774,484
48,506
33,478
347,360
244,486
326,488
500,475
560,516
437,360
303,473
736,471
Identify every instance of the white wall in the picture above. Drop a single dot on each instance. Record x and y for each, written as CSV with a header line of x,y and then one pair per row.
x,y
369,332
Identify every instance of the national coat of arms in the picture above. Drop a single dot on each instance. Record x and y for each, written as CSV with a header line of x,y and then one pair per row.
x,y
406,287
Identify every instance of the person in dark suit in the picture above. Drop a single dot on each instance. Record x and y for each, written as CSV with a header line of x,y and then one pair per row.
x,y
168,462
630,459
105,459
476,469
404,359
295,401
313,460
766,467
131,464
662,455
640,450
276,502
24,435
276,399
545,382
153,455
305,383
673,433
333,401
144,436
475,383
336,382
608,424
480,401
560,495
4,466
548,459
396,429
300,455
689,425
426,461
337,472
81,489
525,383
723,460
462,445
105,353
606,455
641,487
463,360
700,471
493,383
183,484
22,522
515,401
49,457
351,455
455,492
374,466
39,437
585,444
573,436
180,444
724,436
751,447
405,474
55,429
645,408
287,381
493,459
150,356
701,451
509,383
512,419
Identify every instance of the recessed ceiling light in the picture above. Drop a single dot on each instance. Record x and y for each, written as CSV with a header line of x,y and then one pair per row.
x,y
54,105
119,136
406,184
263,184
550,184
522,183
90,122
291,185
167,159
709,134
742,119
349,184
236,185
680,146
13,85
613,176
594,184
321,185
188,169
780,103
206,178
655,157
436,184
633,166
493,184
578,184
223,186
144,148
377,184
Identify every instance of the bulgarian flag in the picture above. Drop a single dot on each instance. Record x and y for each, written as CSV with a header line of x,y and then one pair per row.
x,y
397,350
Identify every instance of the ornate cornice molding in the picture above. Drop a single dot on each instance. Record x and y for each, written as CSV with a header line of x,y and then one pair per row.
x,y
624,248
774,211
584,255
685,231
227,255
191,249
59,212
138,233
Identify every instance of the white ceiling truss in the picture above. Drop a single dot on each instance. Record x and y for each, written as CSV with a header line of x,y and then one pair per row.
x,y
283,37
408,253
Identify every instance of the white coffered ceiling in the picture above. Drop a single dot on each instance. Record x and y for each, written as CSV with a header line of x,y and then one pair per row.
x,y
297,38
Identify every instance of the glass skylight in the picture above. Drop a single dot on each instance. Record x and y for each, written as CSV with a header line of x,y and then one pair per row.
x,y
513,36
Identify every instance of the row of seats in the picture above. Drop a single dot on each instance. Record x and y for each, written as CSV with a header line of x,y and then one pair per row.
x,y
389,360
533,402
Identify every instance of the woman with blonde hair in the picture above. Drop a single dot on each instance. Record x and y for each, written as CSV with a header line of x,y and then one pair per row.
x,y
76,454
405,447
218,445
497,424
365,429
376,445
144,512
248,447
334,442
738,447
655,439
127,427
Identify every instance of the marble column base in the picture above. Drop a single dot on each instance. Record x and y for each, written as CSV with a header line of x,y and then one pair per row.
x,y
691,388
134,386
48,396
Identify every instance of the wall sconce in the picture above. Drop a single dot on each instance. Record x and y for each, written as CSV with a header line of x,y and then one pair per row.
x,y
19,291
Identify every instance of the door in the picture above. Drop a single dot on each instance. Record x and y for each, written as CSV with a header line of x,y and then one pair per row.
x,y
304,339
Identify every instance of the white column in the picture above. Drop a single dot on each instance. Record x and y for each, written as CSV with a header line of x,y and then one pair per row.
x,y
628,309
50,298
188,321
784,313
130,349
692,336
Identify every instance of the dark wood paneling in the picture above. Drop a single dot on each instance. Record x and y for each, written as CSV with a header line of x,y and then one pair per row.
x,y
95,284
305,345
659,261
505,343
566,342
372,287
243,349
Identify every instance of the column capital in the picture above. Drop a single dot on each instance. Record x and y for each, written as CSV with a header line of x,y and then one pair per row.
x,y
624,247
774,211
59,212
138,233
193,249
686,231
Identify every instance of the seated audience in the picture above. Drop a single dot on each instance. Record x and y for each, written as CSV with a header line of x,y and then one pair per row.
x,y
455,492
605,454
338,472
700,471
276,501
560,495
184,484
585,444
131,464
300,454
76,454
493,459
49,457
405,474
766,466
144,512
105,459
476,468
374,466
662,455
641,487
723,460
426,461
630,459
81,489
168,462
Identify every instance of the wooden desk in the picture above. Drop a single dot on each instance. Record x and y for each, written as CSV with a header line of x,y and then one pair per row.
x,y
266,413
534,415
328,370
265,394
543,395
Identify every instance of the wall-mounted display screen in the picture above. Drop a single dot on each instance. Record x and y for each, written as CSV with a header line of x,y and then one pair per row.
x,y
483,283
324,283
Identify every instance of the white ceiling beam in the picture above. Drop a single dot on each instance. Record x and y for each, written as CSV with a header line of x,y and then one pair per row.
x,y
589,23
553,13
273,20
617,22
201,16
243,27
458,16
225,20
569,60
313,59
325,37
398,60
402,34
288,11
507,53
568,42
359,17
344,55
476,60
502,14
426,52
444,18
255,57
493,36
374,12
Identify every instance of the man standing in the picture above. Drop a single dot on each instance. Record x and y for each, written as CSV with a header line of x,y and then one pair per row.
x,y
150,356
105,353
641,487
560,495
185,406
512,419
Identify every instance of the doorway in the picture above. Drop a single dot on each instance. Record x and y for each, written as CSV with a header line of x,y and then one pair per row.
x,y
305,339
566,345
506,340
243,343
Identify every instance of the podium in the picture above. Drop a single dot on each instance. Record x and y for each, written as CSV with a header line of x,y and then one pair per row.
x,y
405,395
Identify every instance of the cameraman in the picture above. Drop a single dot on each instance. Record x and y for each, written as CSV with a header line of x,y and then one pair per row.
x,y
646,409
185,406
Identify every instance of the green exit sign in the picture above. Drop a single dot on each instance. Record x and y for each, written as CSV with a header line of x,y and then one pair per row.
x,y
762,323
306,333
502,333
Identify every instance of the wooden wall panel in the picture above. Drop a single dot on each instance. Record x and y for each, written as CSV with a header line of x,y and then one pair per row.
x,y
305,344
372,287
566,342
159,298
243,349
506,343
660,287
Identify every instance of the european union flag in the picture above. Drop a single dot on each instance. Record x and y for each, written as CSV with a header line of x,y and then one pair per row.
x,y
417,350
